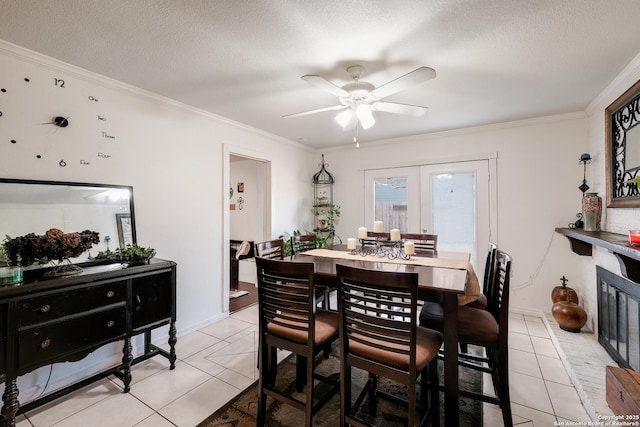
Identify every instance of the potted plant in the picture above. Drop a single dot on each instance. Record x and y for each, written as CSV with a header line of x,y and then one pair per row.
x,y
131,255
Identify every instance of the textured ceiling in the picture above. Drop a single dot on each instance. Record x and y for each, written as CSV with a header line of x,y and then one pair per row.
x,y
496,60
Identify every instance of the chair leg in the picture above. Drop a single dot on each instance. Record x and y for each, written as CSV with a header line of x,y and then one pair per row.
x,y
263,382
301,369
272,366
412,405
434,392
345,393
308,411
373,399
503,393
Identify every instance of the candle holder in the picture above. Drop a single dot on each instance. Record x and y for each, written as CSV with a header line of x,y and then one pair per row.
x,y
382,247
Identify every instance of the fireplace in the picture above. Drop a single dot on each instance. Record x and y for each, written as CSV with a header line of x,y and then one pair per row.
x,y
619,318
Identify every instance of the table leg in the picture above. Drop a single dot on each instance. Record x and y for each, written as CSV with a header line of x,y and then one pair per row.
x,y
451,415
10,403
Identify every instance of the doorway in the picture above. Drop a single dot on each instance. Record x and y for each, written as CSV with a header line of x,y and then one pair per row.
x,y
248,220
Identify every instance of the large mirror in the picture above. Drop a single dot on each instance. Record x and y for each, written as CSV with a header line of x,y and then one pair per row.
x,y
37,206
622,128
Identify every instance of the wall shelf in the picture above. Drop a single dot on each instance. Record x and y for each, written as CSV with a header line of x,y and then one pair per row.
x,y
618,244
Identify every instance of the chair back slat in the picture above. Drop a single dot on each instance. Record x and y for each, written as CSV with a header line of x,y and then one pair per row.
x,y
303,243
271,249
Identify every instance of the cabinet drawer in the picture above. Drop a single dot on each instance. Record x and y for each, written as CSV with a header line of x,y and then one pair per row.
x,y
3,339
54,341
53,306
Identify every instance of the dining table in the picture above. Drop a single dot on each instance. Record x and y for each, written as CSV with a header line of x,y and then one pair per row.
x,y
448,273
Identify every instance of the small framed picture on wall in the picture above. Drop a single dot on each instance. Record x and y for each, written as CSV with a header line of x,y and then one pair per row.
x,y
241,187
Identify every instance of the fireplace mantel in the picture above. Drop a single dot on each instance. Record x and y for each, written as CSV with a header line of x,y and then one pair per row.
x,y
582,243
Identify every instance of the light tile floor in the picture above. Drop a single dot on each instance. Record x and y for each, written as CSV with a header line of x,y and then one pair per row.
x,y
219,361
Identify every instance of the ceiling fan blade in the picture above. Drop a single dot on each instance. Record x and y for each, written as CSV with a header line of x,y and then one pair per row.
x,y
415,77
319,110
393,107
325,84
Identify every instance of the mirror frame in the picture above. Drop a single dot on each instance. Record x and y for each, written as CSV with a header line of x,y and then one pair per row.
x,y
129,188
620,116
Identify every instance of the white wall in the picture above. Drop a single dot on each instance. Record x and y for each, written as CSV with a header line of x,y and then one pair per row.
x,y
537,178
171,154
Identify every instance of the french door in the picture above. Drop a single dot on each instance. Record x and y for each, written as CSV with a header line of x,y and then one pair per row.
x,y
452,200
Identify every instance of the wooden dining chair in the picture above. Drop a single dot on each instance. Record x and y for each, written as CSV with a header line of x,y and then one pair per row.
x,y
306,242
289,319
271,249
379,334
422,242
374,238
489,268
487,329
303,243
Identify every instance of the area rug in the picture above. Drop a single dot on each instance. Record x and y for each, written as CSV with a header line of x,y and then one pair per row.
x,y
241,411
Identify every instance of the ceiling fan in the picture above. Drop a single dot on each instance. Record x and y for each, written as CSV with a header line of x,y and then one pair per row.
x,y
359,99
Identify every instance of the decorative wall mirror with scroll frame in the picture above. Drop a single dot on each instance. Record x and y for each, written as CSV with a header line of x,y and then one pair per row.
x,y
622,130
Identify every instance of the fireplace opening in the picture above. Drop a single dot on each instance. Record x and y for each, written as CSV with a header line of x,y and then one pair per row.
x,y
619,318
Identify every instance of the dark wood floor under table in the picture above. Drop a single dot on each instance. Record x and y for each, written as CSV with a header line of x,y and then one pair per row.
x,y
244,301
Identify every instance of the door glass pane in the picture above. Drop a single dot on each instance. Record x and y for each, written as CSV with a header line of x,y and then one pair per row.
x,y
390,202
453,210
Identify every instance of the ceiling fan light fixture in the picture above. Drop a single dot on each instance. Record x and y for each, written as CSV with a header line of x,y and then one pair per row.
x,y
343,118
365,115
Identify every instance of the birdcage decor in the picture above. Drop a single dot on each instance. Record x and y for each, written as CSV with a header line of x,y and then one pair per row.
x,y
324,209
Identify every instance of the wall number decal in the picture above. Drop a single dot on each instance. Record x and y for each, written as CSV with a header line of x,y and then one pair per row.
x,y
58,82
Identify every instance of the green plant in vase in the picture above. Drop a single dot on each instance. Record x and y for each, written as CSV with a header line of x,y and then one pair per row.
x,y
135,255
326,219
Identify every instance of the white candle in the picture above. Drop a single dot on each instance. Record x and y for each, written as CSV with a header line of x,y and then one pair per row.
x,y
378,227
395,235
409,248
351,243
362,233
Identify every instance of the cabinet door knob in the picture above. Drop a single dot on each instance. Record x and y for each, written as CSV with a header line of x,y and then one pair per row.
x,y
110,294
110,324
45,308
45,343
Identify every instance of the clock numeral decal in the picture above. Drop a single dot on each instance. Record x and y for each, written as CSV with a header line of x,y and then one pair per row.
x,y
62,163
58,82
101,118
91,98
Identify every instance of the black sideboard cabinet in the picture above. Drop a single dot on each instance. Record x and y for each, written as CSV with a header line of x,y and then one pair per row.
x,y
50,320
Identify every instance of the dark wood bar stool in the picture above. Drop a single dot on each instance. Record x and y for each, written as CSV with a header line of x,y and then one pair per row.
x,y
290,320
379,334
488,329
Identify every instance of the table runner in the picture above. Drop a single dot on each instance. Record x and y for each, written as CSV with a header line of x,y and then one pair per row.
x,y
472,286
